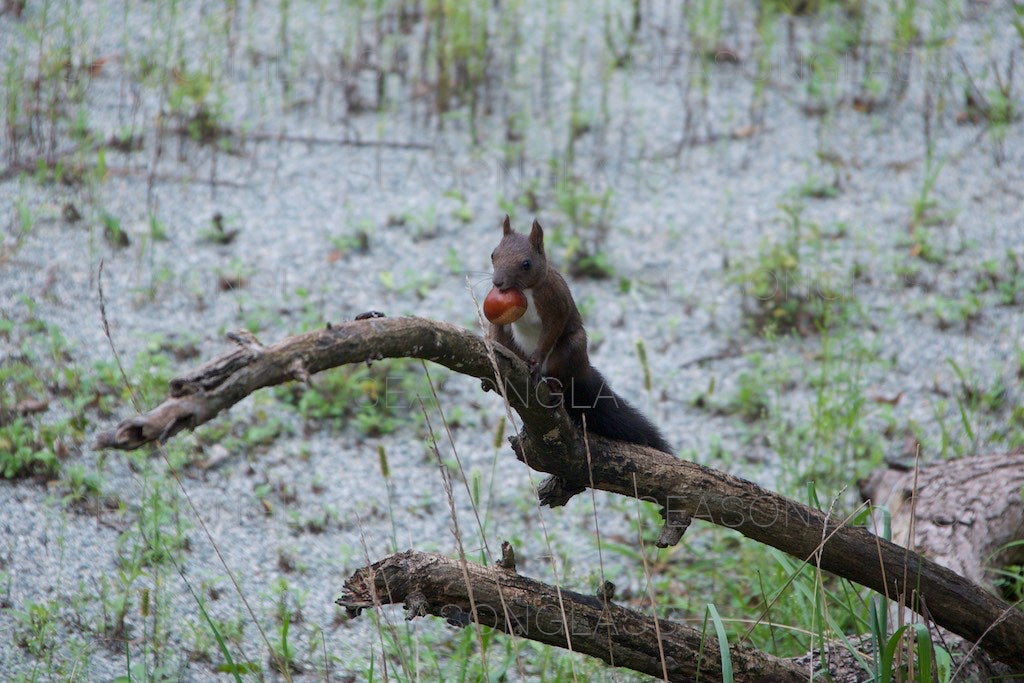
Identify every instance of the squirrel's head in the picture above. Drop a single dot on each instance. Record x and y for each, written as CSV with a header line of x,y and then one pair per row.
x,y
519,259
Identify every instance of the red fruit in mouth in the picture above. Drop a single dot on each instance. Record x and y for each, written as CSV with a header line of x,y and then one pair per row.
x,y
503,308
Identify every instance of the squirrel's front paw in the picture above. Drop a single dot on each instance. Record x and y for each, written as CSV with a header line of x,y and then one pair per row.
x,y
535,369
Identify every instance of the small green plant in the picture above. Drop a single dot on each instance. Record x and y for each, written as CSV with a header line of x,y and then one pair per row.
x,y
27,451
25,218
924,246
997,106
112,230
589,215
904,27
623,55
751,399
217,233
973,397
462,212
641,352
1010,578
157,229
1006,279
910,644
207,636
159,534
925,211
723,640
235,276
289,612
781,291
457,42
37,627
197,103
817,188
149,374
453,259
357,242
704,26
418,282
377,398
82,484
950,312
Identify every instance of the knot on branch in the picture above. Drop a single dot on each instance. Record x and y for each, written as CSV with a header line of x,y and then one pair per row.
x,y
508,556
245,339
210,375
416,605
297,368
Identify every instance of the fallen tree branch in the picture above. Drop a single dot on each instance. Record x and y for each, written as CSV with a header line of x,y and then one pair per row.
x,y
428,583
688,490
550,444
963,513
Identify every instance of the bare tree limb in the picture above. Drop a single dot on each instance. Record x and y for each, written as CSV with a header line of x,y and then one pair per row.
x,y
432,584
201,394
549,443
690,490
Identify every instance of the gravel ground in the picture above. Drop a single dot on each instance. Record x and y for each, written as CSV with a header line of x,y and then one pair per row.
x,y
682,223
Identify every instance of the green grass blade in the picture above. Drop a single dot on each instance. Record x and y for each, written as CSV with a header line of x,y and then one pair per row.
x,y
723,643
924,654
229,663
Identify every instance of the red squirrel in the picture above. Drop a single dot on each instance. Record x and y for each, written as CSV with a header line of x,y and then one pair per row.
x,y
551,339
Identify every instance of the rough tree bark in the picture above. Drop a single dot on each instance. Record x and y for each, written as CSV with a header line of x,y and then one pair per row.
x,y
464,594
962,513
549,443
432,584
966,515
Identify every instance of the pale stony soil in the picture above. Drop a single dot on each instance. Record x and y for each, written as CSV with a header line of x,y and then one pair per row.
x,y
683,221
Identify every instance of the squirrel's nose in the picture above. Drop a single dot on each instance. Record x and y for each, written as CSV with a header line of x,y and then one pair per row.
x,y
499,283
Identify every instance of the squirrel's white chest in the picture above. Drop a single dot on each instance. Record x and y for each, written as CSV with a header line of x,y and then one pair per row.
x,y
527,330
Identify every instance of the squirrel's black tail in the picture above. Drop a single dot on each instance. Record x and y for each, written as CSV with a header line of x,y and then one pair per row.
x,y
608,414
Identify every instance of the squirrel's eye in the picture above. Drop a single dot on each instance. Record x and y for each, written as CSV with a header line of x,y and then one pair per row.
x,y
526,264
492,254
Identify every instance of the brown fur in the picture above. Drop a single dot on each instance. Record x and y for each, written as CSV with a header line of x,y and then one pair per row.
x,y
563,340
561,354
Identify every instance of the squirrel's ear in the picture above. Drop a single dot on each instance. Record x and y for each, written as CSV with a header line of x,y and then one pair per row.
x,y
537,236
506,226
